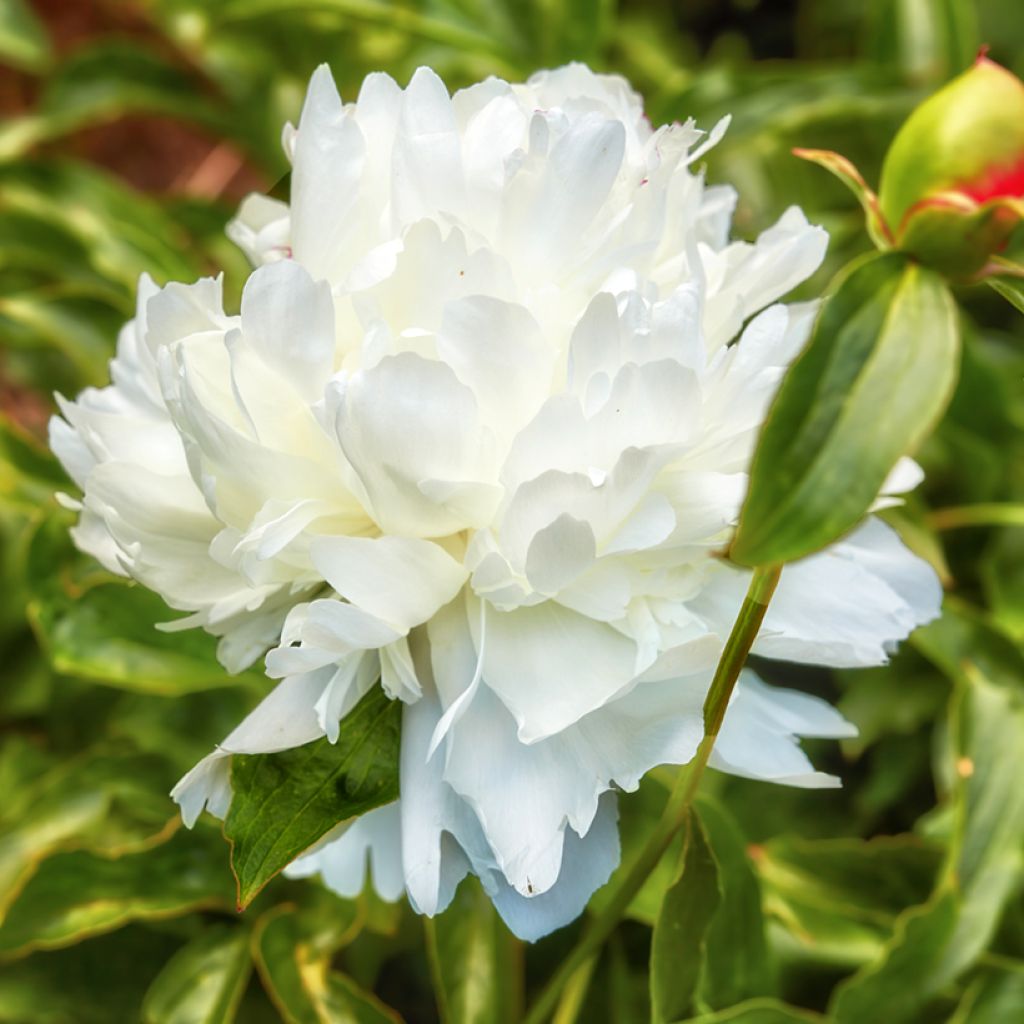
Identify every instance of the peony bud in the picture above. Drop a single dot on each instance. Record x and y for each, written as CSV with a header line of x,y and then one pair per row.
x,y
952,188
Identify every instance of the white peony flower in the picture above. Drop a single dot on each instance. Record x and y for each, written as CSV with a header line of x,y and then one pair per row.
x,y
478,432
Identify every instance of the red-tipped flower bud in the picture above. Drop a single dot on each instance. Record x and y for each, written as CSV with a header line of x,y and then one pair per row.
x,y
952,188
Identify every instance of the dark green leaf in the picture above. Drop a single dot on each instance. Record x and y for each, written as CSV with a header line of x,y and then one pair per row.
x,y
97,982
736,964
876,374
928,42
681,931
283,803
472,956
883,991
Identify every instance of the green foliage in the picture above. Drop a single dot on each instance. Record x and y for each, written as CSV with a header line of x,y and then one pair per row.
x,y
687,909
283,803
895,899
875,376
203,982
473,959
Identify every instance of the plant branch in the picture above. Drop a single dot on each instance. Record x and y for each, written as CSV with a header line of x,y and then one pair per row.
x,y
737,647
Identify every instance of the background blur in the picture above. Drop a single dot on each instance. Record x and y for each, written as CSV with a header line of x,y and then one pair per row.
x,y
129,131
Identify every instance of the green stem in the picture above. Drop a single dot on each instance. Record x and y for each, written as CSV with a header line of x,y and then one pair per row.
x,y
982,514
737,647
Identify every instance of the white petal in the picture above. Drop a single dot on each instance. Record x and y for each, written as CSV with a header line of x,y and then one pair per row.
x,y
851,604
587,864
427,167
433,867
326,170
496,348
551,666
288,319
405,421
374,839
398,673
759,737
400,580
559,553
284,719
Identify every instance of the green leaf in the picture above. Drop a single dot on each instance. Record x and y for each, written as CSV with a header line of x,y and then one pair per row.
x,y
108,634
27,469
964,633
297,977
883,990
96,626
877,373
203,982
446,31
75,895
759,1011
838,899
23,39
736,964
105,802
994,998
283,803
927,41
680,933
1011,289
103,81
121,233
472,956
102,981
936,942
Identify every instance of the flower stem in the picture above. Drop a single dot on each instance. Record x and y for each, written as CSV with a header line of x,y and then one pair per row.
x,y
737,647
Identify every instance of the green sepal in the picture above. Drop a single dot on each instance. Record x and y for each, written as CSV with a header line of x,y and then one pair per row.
x,y
848,174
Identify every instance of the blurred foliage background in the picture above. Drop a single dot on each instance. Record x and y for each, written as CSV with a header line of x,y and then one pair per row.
x,y
129,132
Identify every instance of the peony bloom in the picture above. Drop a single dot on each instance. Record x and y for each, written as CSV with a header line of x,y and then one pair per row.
x,y
478,433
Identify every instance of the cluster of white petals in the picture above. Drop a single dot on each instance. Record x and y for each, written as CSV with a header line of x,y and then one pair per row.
x,y
480,432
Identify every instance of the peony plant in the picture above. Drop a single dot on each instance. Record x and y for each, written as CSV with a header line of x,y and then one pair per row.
x,y
496,470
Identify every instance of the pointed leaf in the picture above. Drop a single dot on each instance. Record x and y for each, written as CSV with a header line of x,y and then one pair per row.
x,y
75,895
472,956
736,966
677,947
297,977
203,982
938,941
283,803
877,373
